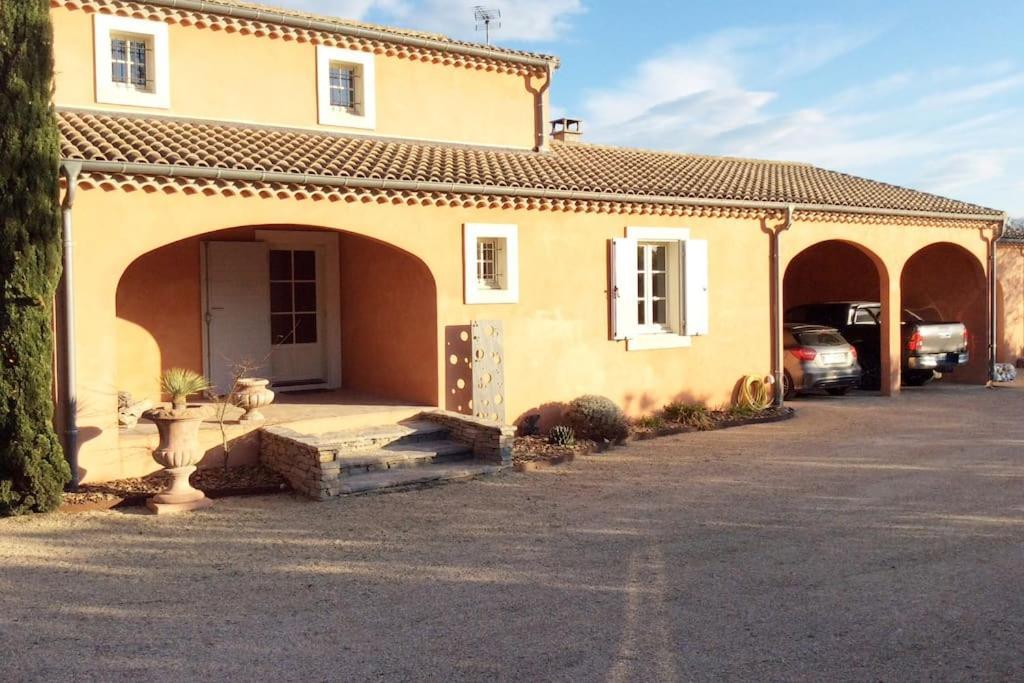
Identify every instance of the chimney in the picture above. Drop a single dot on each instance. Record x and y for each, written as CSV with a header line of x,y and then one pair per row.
x,y
566,130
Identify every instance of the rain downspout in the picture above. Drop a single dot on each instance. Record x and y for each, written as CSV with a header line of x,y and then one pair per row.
x,y
993,293
777,351
542,113
69,395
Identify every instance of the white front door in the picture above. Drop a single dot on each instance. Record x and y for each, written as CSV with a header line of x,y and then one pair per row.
x,y
237,316
297,328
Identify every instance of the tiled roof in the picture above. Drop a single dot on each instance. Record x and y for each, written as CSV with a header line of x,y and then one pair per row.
x,y
1014,230
625,173
211,5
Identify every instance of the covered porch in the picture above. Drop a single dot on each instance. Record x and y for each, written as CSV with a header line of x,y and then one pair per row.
x,y
344,327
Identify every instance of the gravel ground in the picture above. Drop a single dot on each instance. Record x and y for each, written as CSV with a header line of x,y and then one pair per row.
x,y
866,539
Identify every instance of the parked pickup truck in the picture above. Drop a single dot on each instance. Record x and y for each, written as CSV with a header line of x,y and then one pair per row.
x,y
927,345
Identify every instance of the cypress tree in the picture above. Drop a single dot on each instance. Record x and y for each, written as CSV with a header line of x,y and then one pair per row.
x,y
33,471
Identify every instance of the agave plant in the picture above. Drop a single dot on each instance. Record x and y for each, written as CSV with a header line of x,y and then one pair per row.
x,y
562,435
180,384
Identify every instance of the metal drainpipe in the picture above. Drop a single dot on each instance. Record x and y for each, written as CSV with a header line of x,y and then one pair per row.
x,y
542,113
69,399
993,287
777,296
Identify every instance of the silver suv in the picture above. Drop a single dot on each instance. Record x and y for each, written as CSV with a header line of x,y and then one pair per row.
x,y
816,358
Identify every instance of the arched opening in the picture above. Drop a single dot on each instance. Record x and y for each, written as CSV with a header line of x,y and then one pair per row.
x,y
836,284
309,307
945,283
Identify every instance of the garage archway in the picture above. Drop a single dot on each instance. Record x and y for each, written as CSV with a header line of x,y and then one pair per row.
x,y
944,282
838,271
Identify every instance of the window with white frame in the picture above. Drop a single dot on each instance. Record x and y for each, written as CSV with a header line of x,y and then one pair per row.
x,y
131,61
659,288
491,254
346,87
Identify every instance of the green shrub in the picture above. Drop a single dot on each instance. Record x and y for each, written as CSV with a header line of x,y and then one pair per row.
x,y
33,470
742,412
562,435
652,422
597,418
694,415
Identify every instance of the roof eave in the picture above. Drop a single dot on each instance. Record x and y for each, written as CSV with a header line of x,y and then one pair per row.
x,y
341,28
382,184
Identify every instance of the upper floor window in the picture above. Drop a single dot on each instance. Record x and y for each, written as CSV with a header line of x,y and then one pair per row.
x,y
131,61
345,88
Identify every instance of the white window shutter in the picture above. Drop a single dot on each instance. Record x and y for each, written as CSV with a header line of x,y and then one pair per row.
x,y
623,290
696,287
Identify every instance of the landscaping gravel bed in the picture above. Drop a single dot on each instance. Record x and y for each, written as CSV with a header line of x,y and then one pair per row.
x,y
215,482
716,419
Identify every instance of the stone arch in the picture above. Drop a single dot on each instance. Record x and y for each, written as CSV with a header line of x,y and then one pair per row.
x,y
944,281
388,302
835,270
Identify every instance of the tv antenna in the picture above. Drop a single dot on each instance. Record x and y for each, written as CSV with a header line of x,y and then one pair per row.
x,y
484,18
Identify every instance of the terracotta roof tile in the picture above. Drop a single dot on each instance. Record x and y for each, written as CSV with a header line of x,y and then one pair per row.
x,y
394,30
628,173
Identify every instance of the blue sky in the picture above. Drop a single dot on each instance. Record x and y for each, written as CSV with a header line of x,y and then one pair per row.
x,y
927,94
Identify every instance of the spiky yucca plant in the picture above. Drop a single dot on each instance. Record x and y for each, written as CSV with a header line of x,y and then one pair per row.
x,y
562,435
181,383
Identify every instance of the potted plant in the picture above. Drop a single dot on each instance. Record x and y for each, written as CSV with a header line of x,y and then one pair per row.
x,y
179,450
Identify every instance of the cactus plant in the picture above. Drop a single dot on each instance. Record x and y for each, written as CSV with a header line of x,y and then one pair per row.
x,y
562,435
597,418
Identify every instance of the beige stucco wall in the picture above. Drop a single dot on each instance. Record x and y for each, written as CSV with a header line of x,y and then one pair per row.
x,y
556,338
271,81
1010,269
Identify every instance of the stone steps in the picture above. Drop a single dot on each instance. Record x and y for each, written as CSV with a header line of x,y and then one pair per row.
x,y
381,436
412,477
402,455
434,447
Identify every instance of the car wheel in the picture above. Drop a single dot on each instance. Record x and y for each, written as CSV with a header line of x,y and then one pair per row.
x,y
838,391
918,379
788,392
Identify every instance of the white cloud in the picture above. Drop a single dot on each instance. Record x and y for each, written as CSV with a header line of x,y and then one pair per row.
x,y
974,92
522,20
718,95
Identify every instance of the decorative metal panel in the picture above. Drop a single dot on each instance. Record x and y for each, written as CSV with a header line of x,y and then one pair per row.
x,y
488,362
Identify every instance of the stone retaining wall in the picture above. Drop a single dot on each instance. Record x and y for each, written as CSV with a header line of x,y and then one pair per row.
x,y
297,462
491,441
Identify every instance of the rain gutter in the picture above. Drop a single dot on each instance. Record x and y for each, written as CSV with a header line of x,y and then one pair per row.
x,y
68,387
777,313
395,185
993,293
308,23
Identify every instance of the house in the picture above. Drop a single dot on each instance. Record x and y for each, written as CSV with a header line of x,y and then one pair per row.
x,y
341,202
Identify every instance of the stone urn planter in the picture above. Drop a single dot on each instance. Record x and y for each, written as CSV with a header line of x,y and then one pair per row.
x,y
179,453
251,395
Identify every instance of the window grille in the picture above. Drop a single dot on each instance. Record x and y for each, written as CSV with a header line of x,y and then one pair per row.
x,y
129,62
342,86
488,261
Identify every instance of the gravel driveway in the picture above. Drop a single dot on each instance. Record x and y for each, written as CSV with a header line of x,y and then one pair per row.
x,y
868,538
